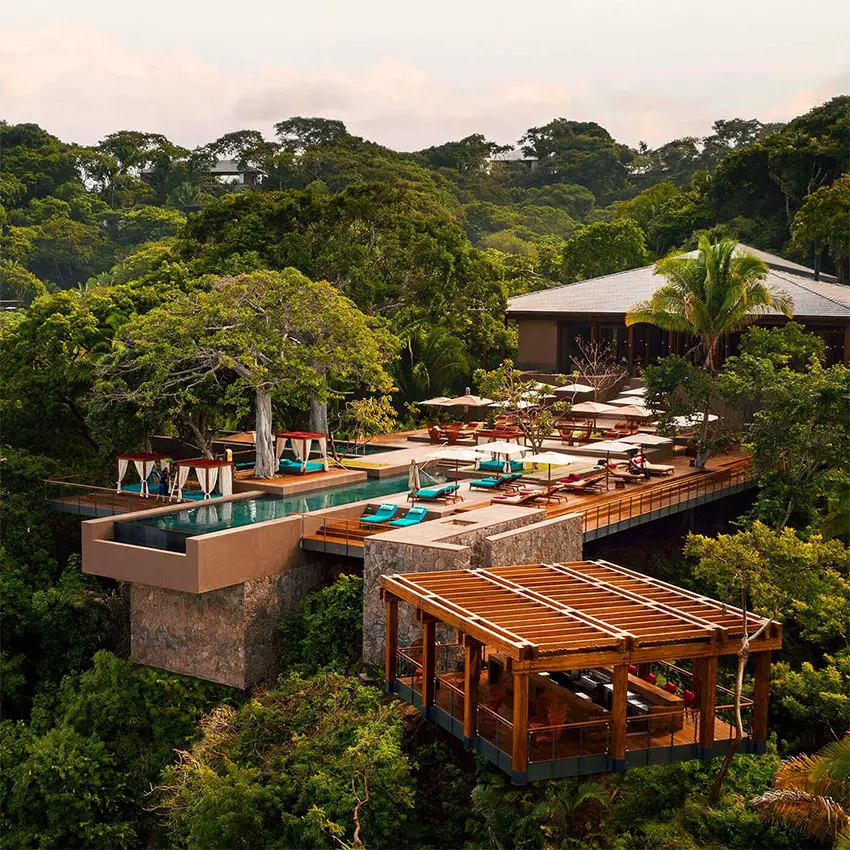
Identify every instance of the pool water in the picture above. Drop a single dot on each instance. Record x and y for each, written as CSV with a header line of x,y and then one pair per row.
x,y
170,531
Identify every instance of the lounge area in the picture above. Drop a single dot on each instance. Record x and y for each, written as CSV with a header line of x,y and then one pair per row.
x,y
554,670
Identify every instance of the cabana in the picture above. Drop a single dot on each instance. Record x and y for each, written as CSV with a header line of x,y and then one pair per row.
x,y
209,473
573,669
145,463
302,445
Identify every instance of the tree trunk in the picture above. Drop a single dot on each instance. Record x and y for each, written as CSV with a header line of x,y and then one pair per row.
x,y
265,465
318,416
702,448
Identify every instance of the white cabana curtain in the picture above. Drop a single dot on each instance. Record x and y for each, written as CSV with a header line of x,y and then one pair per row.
x,y
279,446
207,478
182,478
323,448
144,468
123,463
226,484
301,450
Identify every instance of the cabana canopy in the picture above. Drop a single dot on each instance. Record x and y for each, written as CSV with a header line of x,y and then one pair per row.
x,y
302,443
144,462
209,472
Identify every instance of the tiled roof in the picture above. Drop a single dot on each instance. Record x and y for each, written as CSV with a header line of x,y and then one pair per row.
x,y
615,294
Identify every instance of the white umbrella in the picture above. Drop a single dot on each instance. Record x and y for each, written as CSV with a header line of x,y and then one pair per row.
x,y
551,459
593,407
624,400
413,483
522,404
692,421
574,388
501,447
439,401
639,391
467,400
635,411
646,440
458,455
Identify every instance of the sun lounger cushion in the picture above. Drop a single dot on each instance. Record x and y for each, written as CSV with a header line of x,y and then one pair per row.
x,y
494,482
413,517
499,465
437,492
384,513
287,465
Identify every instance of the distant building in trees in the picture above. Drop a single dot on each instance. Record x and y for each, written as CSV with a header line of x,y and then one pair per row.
x,y
515,157
229,171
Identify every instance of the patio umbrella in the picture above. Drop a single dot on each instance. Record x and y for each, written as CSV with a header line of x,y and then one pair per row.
x,y
574,388
692,421
501,447
594,408
438,401
646,440
637,391
458,455
467,400
635,411
551,459
413,483
611,446
624,400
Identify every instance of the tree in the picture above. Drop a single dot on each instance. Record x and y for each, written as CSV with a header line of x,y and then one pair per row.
x,y
795,420
823,223
298,135
596,364
263,333
812,794
365,418
716,293
468,155
524,399
767,571
603,248
432,362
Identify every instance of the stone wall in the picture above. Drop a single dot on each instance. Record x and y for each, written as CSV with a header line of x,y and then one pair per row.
x,y
522,540
230,635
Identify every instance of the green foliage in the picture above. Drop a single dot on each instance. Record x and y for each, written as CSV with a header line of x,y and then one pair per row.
x,y
310,763
603,248
823,223
326,631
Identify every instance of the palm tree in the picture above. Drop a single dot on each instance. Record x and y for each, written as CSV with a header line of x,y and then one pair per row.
x,y
719,291
812,794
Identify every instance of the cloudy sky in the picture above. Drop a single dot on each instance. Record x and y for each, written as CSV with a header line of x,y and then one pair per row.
x,y
410,75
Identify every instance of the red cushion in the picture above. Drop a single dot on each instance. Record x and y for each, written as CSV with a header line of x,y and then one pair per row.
x,y
689,696
670,688
651,678
632,669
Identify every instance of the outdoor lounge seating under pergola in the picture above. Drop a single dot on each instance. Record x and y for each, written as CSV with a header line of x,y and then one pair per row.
x,y
571,669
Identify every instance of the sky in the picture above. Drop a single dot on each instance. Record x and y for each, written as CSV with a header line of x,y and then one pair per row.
x,y
410,75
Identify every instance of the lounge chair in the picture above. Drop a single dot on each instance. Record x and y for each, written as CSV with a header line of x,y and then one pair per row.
x,y
443,492
657,468
499,465
494,482
630,473
413,517
293,467
435,433
383,514
519,498
589,483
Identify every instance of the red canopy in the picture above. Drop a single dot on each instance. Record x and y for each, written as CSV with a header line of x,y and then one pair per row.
x,y
203,463
303,435
144,456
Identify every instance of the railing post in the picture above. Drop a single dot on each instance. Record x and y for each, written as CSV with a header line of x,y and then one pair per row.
x,y
620,681
428,660
761,695
705,688
519,755
471,678
346,536
390,638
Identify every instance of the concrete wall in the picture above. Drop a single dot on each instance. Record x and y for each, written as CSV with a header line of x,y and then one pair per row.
x,y
521,540
229,635
538,344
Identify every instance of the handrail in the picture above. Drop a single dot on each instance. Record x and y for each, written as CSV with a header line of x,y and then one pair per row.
x,y
496,716
90,487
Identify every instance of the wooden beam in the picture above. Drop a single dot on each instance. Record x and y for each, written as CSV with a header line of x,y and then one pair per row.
x,y
761,695
620,680
705,684
471,677
390,637
519,754
429,657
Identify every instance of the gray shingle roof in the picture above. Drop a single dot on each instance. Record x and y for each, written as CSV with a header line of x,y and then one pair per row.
x,y
614,294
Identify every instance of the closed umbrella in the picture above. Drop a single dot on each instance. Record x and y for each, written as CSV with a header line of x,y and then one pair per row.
x,y
413,483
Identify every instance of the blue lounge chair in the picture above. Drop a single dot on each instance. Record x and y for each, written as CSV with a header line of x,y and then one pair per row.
x,y
293,467
499,465
443,491
383,514
413,517
494,482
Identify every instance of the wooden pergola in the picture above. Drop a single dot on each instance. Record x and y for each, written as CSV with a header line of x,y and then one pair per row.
x,y
546,618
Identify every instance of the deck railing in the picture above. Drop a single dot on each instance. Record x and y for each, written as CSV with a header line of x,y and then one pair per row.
x,y
667,496
90,499
346,533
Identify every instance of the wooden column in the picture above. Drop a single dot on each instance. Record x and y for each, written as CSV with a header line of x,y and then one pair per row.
x,y
761,695
631,342
705,690
471,677
519,756
429,657
620,680
390,638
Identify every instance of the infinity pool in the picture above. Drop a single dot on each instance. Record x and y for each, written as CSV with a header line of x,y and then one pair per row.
x,y
170,531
